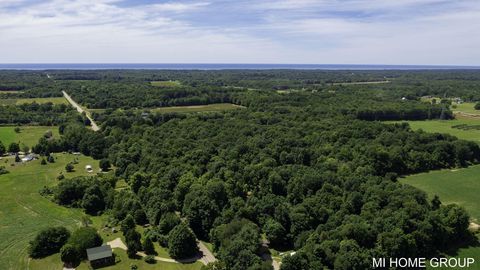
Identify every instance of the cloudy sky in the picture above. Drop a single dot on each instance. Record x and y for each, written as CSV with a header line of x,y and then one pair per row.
x,y
433,32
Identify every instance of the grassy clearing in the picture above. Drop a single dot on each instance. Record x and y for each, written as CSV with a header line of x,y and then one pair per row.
x,y
466,107
28,135
459,186
360,83
24,212
11,92
199,108
19,101
166,83
445,126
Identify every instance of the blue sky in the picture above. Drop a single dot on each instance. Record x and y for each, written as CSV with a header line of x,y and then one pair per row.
x,y
244,31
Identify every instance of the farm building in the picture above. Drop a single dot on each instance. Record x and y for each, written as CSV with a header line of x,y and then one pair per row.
x,y
100,256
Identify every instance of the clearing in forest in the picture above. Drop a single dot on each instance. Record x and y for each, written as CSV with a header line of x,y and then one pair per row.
x,y
19,101
28,135
199,108
166,83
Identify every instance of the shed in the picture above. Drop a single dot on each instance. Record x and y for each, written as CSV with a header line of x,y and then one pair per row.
x,y
100,256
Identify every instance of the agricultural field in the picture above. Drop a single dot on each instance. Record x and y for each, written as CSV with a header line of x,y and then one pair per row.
x,y
18,101
28,135
199,108
166,83
450,127
458,186
24,212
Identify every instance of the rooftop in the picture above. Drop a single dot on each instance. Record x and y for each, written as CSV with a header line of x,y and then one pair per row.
x,y
97,253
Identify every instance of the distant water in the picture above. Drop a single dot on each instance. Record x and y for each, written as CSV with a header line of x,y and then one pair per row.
x,y
226,67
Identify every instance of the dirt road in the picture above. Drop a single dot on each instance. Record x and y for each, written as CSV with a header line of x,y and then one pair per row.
x,y
81,110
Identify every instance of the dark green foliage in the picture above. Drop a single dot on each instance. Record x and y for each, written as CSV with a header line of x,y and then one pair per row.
x,y
43,162
104,164
237,244
168,222
69,167
182,243
70,255
85,238
150,259
127,224
148,246
477,106
2,149
14,148
3,170
276,233
132,240
48,242
51,159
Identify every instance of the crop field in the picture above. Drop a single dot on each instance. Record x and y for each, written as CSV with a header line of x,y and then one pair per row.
x,y
458,186
199,108
18,101
28,135
166,83
24,212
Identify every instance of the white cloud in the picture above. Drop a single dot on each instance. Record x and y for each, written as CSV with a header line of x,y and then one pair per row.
x,y
300,31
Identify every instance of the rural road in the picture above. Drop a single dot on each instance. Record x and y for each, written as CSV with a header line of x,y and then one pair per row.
x,y
207,255
81,110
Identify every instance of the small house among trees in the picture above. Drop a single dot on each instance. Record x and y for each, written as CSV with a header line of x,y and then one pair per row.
x,y
100,256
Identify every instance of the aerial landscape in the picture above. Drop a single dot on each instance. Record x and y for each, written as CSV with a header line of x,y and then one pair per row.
x,y
182,135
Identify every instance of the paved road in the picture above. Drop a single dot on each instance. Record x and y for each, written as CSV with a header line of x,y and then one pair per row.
x,y
81,110
207,256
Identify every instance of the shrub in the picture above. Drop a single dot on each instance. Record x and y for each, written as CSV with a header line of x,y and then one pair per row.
x,y
150,259
84,238
48,242
70,255
43,162
69,167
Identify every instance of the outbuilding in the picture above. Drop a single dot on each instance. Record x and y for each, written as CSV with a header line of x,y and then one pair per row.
x,y
100,256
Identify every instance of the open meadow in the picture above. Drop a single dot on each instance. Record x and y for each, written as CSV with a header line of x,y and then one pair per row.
x,y
199,108
24,212
28,135
19,101
458,186
166,83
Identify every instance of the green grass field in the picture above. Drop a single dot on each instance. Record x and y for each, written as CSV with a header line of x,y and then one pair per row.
x,y
166,83
458,186
24,212
445,126
199,108
18,101
28,135
466,107
122,263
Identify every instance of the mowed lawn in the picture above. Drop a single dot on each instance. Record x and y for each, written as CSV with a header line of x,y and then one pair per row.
x,y
199,108
460,186
28,135
18,101
446,126
24,212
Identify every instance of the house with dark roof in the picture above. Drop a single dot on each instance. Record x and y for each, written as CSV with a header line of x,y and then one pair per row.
x,y
100,256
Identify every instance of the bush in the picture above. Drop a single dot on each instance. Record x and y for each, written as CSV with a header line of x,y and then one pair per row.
x,y
150,259
69,167
51,159
104,164
48,242
43,162
182,243
70,255
3,170
85,238
148,246
477,106
163,241
14,148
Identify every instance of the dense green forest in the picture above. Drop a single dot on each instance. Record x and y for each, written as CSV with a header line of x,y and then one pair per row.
x,y
308,166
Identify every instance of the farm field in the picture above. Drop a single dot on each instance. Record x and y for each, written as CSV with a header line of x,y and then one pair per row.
x,y
446,126
458,186
24,212
18,101
199,108
28,135
166,83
